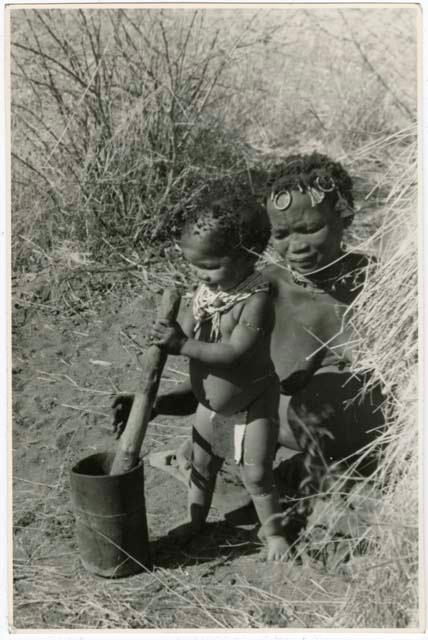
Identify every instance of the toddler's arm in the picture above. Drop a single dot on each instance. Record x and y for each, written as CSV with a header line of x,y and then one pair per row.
x,y
181,401
255,321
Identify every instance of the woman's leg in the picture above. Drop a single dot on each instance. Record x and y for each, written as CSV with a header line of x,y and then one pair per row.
x,y
333,412
261,435
332,419
286,436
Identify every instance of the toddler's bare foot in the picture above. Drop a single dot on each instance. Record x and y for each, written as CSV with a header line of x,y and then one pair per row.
x,y
277,548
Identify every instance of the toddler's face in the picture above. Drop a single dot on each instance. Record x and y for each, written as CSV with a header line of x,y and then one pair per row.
x,y
218,272
307,237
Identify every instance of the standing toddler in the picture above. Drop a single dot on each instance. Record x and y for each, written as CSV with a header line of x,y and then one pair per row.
x,y
226,336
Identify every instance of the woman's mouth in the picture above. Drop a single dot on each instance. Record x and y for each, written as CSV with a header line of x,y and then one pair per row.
x,y
302,262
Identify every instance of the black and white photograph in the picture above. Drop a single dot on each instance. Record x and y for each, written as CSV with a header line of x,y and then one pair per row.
x,y
215,210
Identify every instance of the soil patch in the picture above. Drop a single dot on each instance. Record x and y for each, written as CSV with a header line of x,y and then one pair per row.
x,y
66,370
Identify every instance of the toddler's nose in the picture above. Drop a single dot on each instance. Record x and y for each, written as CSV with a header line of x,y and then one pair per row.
x,y
197,273
202,277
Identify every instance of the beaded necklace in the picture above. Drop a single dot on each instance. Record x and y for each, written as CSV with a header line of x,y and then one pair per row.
x,y
320,286
209,305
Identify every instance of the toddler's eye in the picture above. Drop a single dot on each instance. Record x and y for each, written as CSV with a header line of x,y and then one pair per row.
x,y
211,267
206,267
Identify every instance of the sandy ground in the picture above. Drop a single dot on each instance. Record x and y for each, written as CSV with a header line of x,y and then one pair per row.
x,y
65,373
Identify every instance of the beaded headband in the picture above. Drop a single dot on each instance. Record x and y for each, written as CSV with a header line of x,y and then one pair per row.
x,y
283,198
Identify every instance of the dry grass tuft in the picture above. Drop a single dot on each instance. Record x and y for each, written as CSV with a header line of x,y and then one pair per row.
x,y
384,589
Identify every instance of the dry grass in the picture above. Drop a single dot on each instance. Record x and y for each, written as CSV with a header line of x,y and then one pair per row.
x,y
386,323
385,580
117,115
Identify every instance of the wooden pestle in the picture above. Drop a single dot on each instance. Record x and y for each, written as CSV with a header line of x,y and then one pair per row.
x,y
130,442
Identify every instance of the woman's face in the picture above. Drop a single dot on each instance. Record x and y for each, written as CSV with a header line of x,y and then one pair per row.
x,y
307,237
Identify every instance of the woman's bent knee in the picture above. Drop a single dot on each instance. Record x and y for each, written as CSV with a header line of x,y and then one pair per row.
x,y
286,437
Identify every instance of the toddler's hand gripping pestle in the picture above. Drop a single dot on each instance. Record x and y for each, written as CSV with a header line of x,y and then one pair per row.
x,y
133,435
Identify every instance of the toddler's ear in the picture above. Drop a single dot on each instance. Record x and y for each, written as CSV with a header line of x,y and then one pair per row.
x,y
177,247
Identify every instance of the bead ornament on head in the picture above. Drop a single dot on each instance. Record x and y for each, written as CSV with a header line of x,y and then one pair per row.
x,y
283,198
209,304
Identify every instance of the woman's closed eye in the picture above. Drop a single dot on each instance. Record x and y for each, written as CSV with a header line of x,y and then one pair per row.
x,y
313,229
280,234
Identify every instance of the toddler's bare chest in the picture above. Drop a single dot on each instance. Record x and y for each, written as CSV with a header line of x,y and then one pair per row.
x,y
227,321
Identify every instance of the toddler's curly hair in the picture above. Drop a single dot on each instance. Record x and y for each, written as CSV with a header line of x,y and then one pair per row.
x,y
301,171
230,212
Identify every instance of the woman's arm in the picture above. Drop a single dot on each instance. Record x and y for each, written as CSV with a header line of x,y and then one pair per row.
x,y
181,401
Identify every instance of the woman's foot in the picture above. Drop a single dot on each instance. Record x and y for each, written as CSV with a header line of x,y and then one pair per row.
x,y
183,456
168,461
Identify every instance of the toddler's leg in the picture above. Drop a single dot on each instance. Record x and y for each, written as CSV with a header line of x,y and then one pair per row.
x,y
205,466
260,441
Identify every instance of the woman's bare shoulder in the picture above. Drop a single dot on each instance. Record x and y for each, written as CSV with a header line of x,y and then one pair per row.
x,y
276,273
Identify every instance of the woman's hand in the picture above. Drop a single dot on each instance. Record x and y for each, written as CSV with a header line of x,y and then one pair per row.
x,y
168,335
122,405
